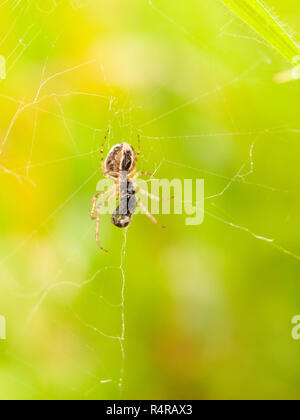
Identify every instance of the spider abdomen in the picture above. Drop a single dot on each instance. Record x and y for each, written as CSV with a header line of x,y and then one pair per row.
x,y
121,158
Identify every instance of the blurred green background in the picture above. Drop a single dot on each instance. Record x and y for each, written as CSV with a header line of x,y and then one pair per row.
x,y
207,309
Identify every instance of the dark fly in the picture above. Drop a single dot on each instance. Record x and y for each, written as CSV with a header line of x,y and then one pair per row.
x,y
121,217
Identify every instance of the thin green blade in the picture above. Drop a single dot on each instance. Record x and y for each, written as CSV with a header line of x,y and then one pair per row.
x,y
256,15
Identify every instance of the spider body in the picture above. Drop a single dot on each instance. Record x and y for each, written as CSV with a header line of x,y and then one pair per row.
x,y
120,165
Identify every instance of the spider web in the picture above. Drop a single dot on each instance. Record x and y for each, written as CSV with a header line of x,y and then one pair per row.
x,y
58,104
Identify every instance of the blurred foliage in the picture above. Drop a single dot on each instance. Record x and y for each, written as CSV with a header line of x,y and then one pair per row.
x,y
208,309
257,15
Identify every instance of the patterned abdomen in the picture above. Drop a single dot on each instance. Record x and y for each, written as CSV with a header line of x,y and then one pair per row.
x,y
120,158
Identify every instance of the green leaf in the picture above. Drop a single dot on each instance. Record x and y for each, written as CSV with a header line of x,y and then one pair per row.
x,y
256,15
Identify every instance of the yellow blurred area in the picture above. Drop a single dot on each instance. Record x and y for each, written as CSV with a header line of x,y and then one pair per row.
x,y
206,311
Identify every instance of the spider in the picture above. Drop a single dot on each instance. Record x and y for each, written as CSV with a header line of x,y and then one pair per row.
x,y
120,165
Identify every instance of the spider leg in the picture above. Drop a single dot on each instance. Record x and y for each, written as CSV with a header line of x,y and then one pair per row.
x,y
153,197
95,199
102,151
98,214
97,232
139,148
149,215
138,174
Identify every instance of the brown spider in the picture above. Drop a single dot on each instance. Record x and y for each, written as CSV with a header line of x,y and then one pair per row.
x,y
120,165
